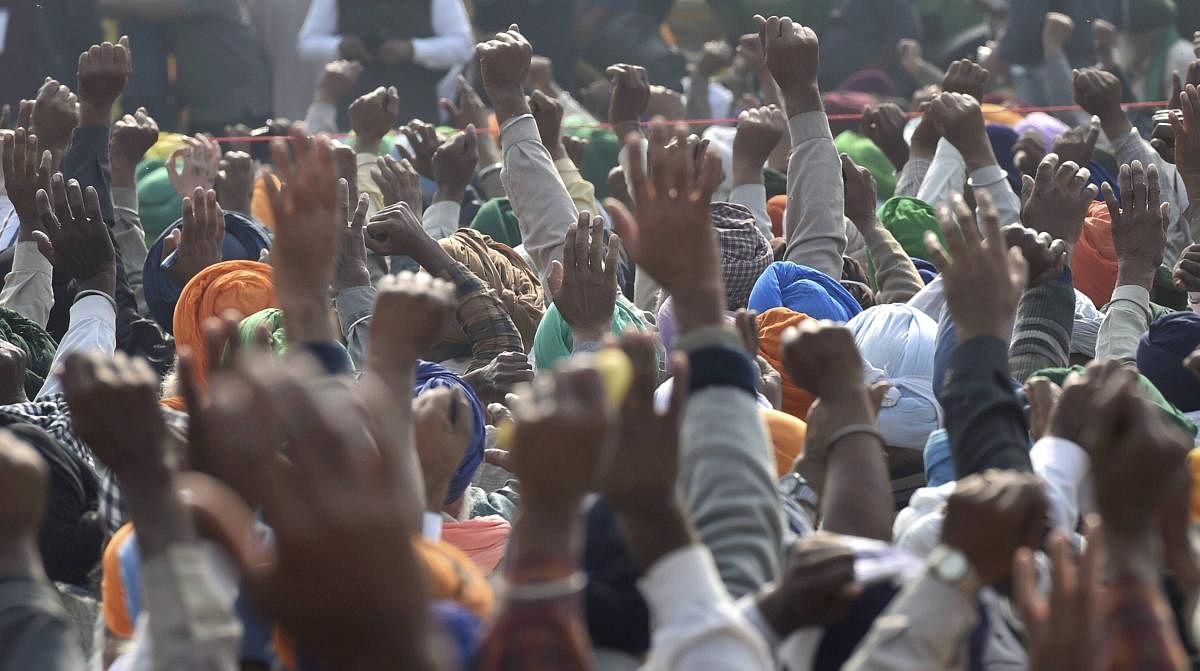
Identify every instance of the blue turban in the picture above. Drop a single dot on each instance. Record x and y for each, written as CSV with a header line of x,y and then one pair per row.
x,y
939,464
1160,354
1100,175
245,239
925,269
802,289
432,376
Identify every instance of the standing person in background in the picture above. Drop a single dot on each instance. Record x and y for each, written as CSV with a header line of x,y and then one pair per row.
x,y
409,44
278,23
42,39
863,34
223,78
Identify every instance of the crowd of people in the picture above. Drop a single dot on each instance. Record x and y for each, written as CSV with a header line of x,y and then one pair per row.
x,y
808,349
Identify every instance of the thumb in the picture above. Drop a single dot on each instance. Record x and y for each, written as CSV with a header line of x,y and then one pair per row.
x,y
1026,188
877,392
1018,267
44,245
171,243
556,278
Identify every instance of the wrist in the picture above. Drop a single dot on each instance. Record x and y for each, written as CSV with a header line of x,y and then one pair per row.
x,y
622,129
509,103
94,113
489,151
697,306
367,144
968,332
978,155
453,193
105,282
557,150
306,316
1136,274
747,171
1115,124
801,99
123,174
653,530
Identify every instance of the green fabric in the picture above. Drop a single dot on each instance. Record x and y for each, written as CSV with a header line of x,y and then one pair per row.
x,y
158,204
599,158
553,341
497,220
774,182
907,219
866,154
1059,375
32,339
270,319
1146,15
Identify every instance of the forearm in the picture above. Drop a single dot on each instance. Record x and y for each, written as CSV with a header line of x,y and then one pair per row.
x,y
489,155
753,195
490,331
911,176
986,424
815,231
992,179
354,305
1127,318
947,172
305,311
131,239
1138,628
28,287
321,117
92,327
895,275
1063,467
697,105
540,201
193,623
1042,333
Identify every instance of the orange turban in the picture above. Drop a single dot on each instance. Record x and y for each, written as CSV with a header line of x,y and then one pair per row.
x,y
1193,462
787,437
1094,259
771,325
242,286
260,203
113,605
1000,114
775,209
451,575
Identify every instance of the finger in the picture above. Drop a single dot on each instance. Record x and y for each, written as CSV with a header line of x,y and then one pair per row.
x,y
596,246
1110,200
1093,134
571,248
555,278
613,261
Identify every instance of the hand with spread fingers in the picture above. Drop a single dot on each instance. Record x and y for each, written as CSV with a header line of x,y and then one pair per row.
x,y
584,284
73,232
884,125
26,170
1139,224
350,269
498,378
1186,126
1056,201
398,181
201,158
55,117
422,143
200,239
975,260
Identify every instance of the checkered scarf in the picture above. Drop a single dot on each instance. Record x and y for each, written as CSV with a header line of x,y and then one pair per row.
x,y
745,252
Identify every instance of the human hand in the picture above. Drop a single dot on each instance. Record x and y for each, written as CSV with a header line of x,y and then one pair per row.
x,y
442,424
910,54
823,360
1028,152
23,489
1045,255
350,269
924,140
1078,144
548,113
1043,398
395,51
398,182
966,77
454,165
1177,83
25,171
201,161
759,131
1056,32
792,55
666,103
1187,270
235,181
1098,92
132,136
396,230
74,232
104,69
1057,199
630,97
422,143
959,119
494,381
411,310
200,239
575,147
470,109
337,78
541,75
1186,126
992,514
1061,630
352,48
972,263
750,49
55,116
1139,224
584,284
114,409
884,125
714,56
1162,135
817,589
372,115
859,187
13,364
1071,413
504,63
1104,40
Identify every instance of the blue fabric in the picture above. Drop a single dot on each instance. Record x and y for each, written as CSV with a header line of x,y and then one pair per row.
x,y
939,466
720,366
332,356
245,240
616,613
925,269
1003,139
130,557
1160,354
947,342
432,376
463,628
802,289
1099,176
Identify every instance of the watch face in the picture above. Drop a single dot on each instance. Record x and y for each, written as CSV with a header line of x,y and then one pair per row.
x,y
953,566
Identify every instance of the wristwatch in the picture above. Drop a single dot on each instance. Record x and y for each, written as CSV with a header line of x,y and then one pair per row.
x,y
951,566
796,486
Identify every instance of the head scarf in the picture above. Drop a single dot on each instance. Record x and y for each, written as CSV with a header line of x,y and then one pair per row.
x,y
1147,15
999,114
776,206
497,220
1086,328
1003,138
553,341
432,376
925,269
243,286
451,575
908,219
897,346
1047,127
803,289
867,154
1147,388
158,202
787,435
1160,356
1094,258
504,271
38,346
270,319
260,203
745,253
244,240
771,326
483,539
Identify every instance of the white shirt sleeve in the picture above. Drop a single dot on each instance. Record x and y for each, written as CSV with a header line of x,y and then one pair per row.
x,y
452,42
1063,466
28,287
318,39
93,326
694,623
440,219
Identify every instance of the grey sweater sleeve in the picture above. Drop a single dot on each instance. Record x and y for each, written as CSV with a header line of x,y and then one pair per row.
x,y
1042,334
813,225
895,274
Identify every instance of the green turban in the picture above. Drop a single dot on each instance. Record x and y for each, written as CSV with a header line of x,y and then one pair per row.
x,y
867,155
553,342
158,203
1059,375
32,339
599,158
907,219
270,319
1147,15
497,220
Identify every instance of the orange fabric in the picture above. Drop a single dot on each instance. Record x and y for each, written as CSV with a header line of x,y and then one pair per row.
x,y
993,113
1094,259
112,589
771,325
1193,461
776,206
260,203
450,574
174,403
483,539
787,438
242,286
